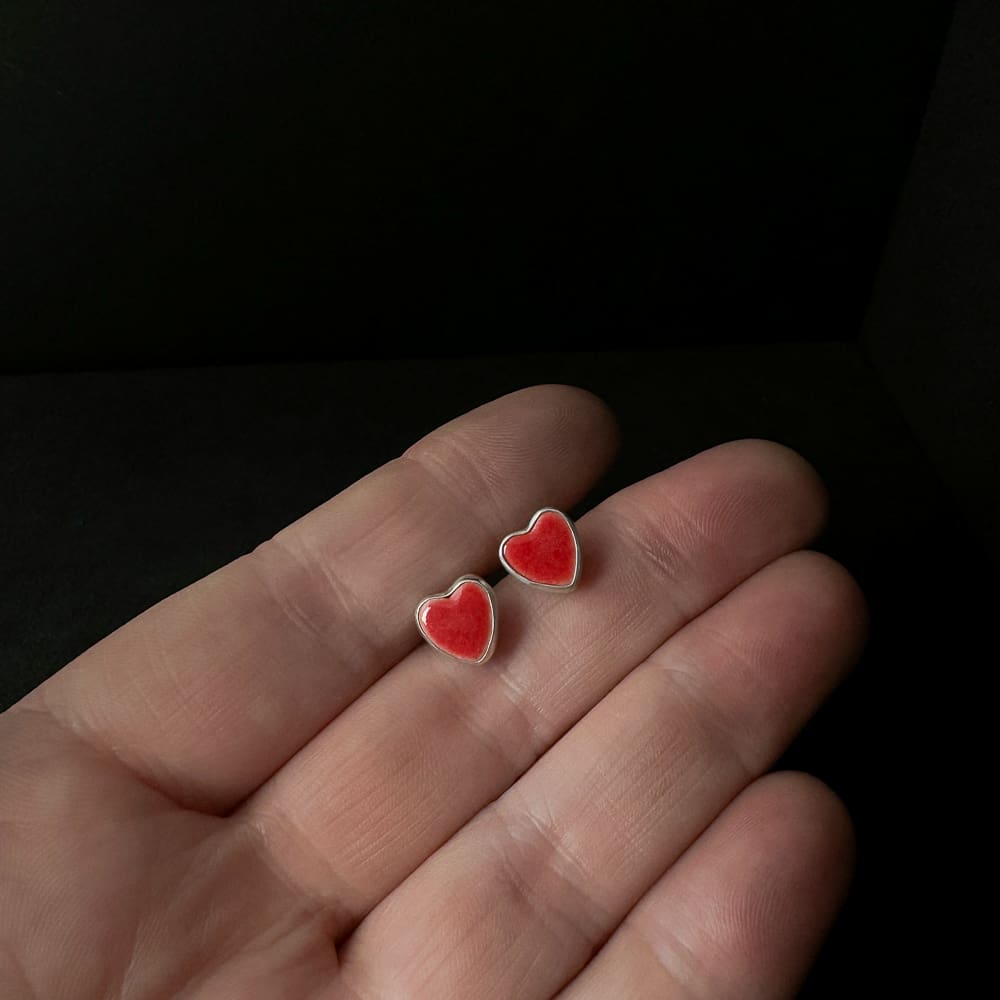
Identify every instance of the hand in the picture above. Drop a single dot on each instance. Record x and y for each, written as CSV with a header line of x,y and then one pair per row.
x,y
263,787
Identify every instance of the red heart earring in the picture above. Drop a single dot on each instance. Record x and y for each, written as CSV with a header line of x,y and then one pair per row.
x,y
461,621
546,553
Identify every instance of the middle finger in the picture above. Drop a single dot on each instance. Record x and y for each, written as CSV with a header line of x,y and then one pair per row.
x,y
382,787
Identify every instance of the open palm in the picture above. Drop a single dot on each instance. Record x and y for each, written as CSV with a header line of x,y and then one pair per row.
x,y
263,787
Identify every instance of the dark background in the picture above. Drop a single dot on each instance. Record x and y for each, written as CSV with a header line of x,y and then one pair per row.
x,y
249,251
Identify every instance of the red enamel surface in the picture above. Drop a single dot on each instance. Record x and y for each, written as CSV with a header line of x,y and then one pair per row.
x,y
546,553
460,624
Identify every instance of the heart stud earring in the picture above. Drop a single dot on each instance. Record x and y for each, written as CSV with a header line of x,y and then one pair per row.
x,y
461,621
546,553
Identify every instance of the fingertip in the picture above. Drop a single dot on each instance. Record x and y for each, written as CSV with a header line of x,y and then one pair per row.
x,y
788,471
776,868
585,416
835,596
804,851
802,819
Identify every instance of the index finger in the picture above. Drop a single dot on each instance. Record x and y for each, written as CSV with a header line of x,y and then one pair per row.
x,y
210,691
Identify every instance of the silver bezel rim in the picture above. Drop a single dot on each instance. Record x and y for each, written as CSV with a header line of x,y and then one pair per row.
x,y
466,578
534,583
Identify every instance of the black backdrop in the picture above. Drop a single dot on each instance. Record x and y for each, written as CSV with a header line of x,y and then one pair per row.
x,y
239,179
477,192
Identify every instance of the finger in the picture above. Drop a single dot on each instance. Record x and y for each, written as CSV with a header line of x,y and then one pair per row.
x,y
528,890
743,912
378,791
210,691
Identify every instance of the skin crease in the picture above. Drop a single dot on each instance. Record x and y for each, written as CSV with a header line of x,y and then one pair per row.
x,y
267,786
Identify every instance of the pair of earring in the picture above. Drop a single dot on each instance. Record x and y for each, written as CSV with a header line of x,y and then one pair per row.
x,y
462,621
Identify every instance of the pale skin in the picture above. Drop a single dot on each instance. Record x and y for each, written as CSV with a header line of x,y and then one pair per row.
x,y
266,786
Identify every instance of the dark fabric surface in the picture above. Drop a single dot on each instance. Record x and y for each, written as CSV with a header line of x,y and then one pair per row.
x,y
122,487
241,179
933,329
